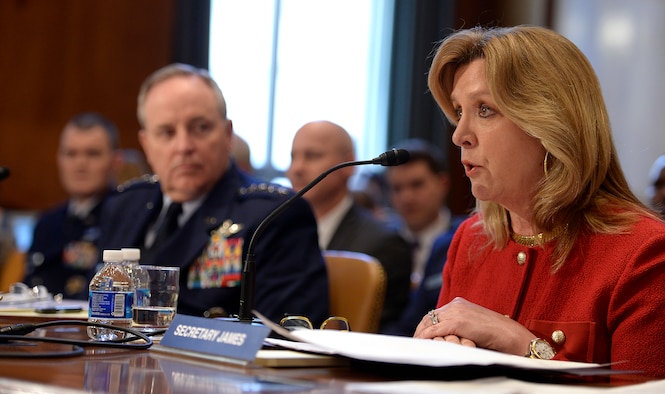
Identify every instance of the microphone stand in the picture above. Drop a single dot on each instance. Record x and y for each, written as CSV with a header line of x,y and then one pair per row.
x,y
248,279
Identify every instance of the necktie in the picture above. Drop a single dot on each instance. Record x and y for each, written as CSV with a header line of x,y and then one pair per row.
x,y
169,225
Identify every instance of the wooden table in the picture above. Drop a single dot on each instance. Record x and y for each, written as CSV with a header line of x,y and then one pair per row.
x,y
103,370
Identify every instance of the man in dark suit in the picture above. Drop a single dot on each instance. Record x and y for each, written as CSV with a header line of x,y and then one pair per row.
x,y
63,255
418,192
186,137
425,297
342,224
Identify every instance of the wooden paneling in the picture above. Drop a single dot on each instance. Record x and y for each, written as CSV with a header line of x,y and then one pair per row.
x,y
58,58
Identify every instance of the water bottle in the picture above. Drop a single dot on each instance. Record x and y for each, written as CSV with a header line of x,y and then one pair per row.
x,y
131,259
111,297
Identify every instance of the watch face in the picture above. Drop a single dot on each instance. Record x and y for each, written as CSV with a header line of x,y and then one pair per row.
x,y
543,349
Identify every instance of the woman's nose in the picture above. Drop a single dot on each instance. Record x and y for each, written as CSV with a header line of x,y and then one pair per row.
x,y
462,135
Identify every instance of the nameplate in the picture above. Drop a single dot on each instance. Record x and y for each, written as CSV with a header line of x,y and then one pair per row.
x,y
225,338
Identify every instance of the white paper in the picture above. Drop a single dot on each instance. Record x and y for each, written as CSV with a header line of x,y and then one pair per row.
x,y
23,308
498,385
405,350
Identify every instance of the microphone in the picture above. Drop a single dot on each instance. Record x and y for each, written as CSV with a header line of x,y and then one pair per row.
x,y
4,173
393,157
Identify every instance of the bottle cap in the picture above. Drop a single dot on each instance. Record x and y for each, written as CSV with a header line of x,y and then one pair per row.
x,y
112,255
131,254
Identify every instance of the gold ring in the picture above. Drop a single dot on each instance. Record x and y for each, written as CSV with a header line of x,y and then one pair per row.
x,y
433,316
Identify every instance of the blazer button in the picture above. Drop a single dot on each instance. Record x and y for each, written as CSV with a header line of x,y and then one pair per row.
x,y
558,337
521,258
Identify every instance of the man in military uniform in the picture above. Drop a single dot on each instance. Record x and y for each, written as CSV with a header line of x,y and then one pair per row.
x,y
63,255
187,140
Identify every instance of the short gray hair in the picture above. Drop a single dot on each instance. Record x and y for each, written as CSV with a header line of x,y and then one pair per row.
x,y
173,70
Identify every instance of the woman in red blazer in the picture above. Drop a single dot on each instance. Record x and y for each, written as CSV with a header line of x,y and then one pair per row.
x,y
560,259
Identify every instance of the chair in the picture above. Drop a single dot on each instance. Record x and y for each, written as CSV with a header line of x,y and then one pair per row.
x,y
134,165
357,288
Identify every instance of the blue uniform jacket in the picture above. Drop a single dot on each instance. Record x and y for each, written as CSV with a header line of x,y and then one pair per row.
x,y
291,276
64,254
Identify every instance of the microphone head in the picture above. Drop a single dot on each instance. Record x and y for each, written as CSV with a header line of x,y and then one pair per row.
x,y
4,173
393,157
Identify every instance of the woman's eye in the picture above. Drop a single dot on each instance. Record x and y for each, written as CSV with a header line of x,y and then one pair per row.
x,y
458,113
485,111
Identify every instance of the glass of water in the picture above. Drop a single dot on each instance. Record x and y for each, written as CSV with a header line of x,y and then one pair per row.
x,y
156,296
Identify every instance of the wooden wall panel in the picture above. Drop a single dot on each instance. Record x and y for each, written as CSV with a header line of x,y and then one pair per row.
x,y
58,58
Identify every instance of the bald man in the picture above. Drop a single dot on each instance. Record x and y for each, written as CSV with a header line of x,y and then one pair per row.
x,y
241,154
343,225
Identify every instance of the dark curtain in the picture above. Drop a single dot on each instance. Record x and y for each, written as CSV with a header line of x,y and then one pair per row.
x,y
413,113
418,26
192,30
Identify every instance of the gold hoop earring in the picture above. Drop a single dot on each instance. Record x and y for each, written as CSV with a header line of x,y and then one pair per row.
x,y
547,154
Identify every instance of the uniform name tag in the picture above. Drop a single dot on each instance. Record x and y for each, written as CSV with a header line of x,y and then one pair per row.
x,y
225,338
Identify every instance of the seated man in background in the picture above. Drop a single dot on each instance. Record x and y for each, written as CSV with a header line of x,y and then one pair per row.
x,y
200,211
656,189
425,297
241,154
342,224
64,255
8,249
418,191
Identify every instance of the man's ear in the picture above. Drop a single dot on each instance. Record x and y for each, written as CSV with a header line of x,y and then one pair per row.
x,y
141,134
444,179
117,162
229,128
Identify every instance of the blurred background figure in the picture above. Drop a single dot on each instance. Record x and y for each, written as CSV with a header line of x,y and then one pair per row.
x,y
10,270
371,191
342,223
63,254
6,237
241,154
418,191
133,166
656,189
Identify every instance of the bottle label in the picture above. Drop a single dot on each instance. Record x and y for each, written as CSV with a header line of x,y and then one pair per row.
x,y
111,304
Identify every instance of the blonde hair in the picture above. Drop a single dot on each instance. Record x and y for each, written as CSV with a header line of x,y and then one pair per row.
x,y
544,84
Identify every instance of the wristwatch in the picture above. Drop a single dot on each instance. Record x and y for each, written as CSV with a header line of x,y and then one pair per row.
x,y
541,349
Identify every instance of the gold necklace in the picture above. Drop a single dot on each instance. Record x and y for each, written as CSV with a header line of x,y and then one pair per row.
x,y
538,239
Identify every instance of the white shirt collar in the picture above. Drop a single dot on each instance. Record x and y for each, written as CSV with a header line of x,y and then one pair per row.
x,y
82,208
188,208
425,241
327,224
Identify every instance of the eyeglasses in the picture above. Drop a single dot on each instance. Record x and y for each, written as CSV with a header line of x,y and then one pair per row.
x,y
332,323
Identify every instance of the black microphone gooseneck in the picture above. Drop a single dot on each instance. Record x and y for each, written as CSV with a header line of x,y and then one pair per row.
x,y
393,157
